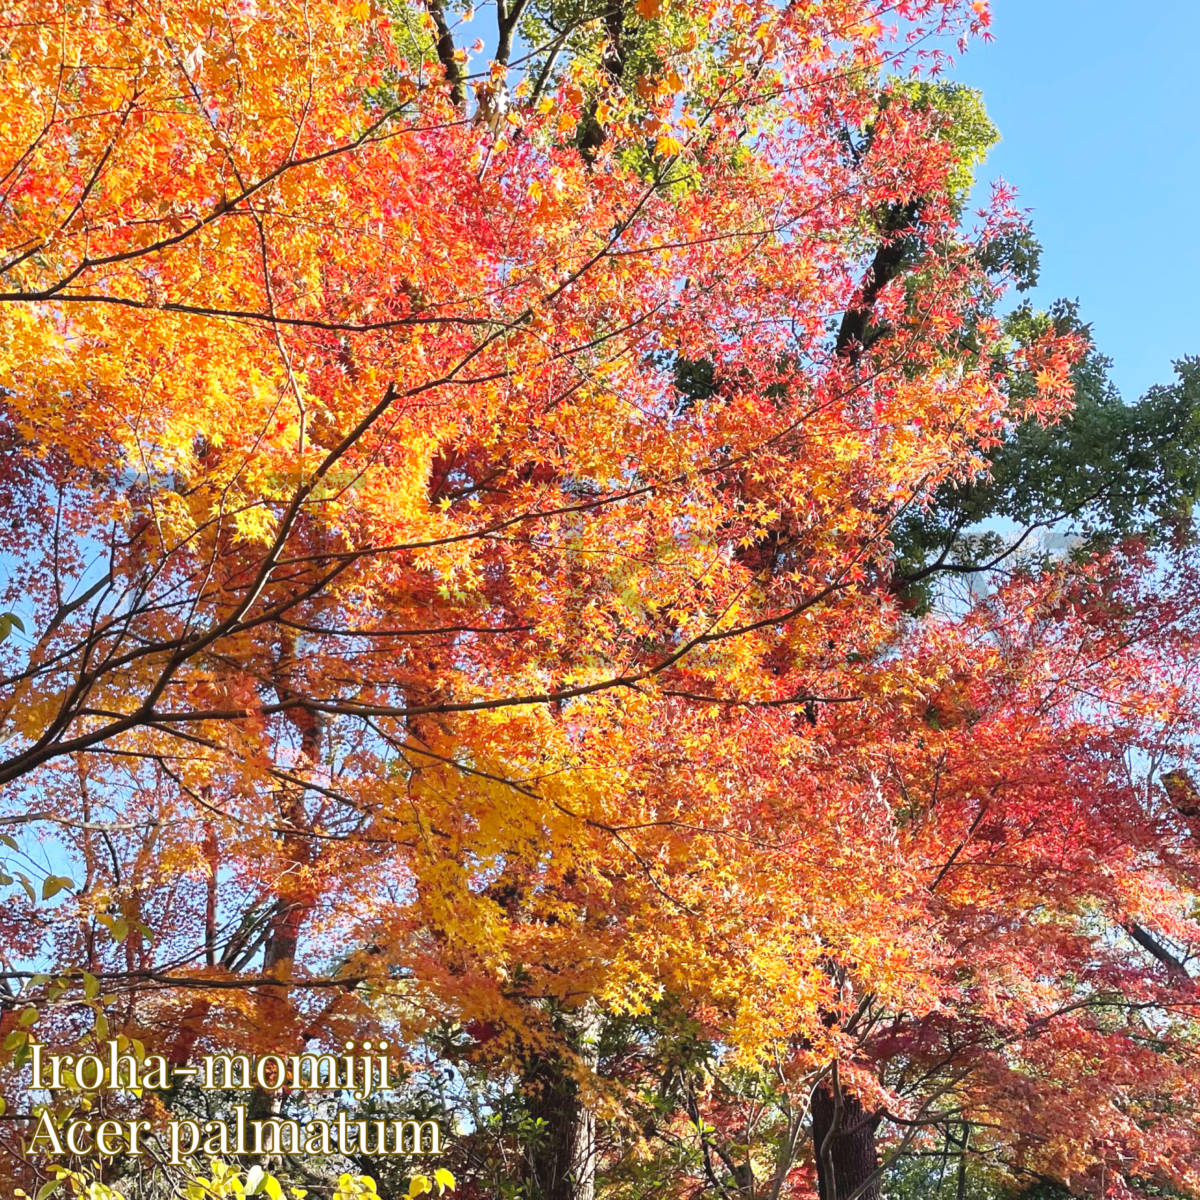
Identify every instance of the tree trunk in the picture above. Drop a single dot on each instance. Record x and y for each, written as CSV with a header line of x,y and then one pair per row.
x,y
561,1164
844,1147
293,903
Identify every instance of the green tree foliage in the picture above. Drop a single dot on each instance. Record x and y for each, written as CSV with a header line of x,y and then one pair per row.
x,y
1108,472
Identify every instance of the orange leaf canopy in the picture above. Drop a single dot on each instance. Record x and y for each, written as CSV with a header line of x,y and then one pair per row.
x,y
429,535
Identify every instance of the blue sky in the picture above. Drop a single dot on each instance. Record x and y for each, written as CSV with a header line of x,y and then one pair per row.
x,y
1096,101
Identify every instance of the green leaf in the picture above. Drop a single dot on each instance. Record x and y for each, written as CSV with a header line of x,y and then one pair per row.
x,y
9,621
49,1186
254,1180
55,884
9,841
27,884
91,986
28,1017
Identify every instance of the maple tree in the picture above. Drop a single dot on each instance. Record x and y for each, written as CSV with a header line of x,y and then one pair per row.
x,y
453,514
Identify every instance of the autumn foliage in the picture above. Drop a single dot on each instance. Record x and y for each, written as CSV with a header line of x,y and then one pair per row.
x,y
450,503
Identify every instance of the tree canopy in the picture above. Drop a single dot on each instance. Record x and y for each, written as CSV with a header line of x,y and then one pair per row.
x,y
470,529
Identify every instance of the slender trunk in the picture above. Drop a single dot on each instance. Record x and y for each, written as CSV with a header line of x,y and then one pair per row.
x,y
561,1164
212,856
294,898
844,1147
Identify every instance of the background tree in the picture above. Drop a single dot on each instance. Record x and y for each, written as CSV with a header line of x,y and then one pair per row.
x,y
1110,471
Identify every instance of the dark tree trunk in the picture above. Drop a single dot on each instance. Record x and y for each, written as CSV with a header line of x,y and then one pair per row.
x,y
561,1164
844,1146
592,134
856,333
